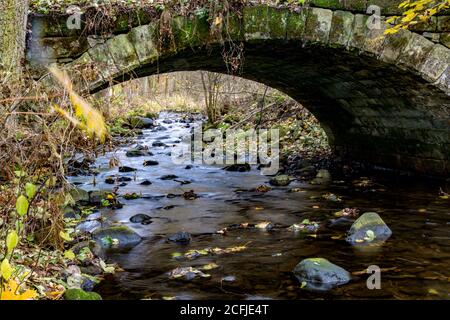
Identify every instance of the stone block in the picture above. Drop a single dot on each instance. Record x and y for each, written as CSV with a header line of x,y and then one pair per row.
x,y
318,25
341,28
123,53
144,40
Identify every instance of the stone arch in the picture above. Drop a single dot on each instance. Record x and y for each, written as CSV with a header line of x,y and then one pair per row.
x,y
382,100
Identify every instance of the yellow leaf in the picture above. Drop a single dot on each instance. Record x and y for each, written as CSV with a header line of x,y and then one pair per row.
x,y
390,31
432,291
90,117
12,239
65,236
218,20
69,255
209,266
11,292
6,269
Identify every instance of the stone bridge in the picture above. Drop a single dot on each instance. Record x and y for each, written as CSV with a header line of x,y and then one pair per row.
x,y
382,100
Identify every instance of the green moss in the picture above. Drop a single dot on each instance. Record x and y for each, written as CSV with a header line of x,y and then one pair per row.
x,y
296,23
78,294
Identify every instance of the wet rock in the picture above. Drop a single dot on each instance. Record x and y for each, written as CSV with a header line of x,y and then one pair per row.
x,y
123,184
167,121
323,177
132,153
141,147
110,180
97,196
320,274
141,218
168,177
124,179
125,169
146,183
368,229
141,123
183,182
280,181
180,237
71,212
149,163
188,167
158,144
79,196
160,128
117,237
238,167
88,226
80,294
262,189
190,195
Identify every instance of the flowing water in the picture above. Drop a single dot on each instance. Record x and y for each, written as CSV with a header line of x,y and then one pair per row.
x,y
415,260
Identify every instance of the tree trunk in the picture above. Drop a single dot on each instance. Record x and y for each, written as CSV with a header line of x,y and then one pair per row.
x,y
13,29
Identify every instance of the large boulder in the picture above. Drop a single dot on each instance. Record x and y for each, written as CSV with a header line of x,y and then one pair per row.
x,y
368,229
137,153
141,123
117,237
320,274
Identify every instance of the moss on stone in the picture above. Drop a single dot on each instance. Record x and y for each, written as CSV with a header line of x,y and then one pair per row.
x,y
296,23
318,25
341,28
263,22
394,44
359,31
145,42
79,294
123,53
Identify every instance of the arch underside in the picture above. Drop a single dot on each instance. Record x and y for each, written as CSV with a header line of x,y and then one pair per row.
x,y
372,112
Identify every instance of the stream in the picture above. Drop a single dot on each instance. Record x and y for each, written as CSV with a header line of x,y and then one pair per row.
x,y
416,257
